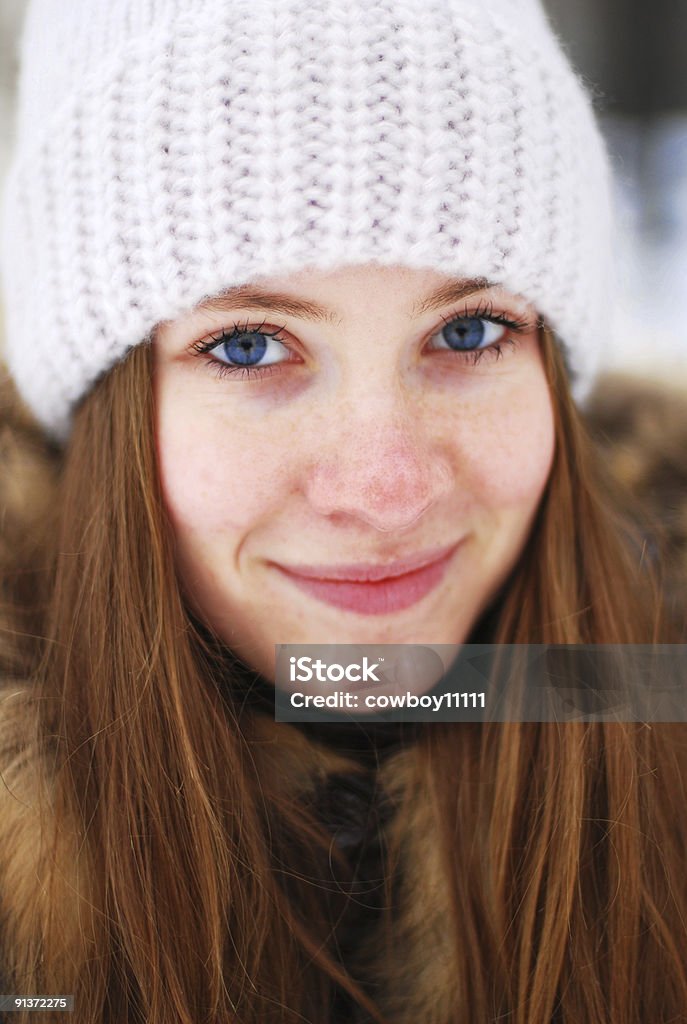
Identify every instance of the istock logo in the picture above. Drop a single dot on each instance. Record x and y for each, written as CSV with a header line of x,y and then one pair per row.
x,y
302,670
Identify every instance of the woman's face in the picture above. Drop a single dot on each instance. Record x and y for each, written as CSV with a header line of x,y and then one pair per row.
x,y
343,422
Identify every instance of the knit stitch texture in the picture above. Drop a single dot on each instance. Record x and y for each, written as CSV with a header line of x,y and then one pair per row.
x,y
168,149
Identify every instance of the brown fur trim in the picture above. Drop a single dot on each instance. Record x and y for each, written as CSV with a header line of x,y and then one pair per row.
x,y
641,431
418,985
27,499
290,760
27,477
26,864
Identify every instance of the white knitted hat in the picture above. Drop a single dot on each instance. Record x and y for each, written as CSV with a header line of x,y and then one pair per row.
x,y
167,149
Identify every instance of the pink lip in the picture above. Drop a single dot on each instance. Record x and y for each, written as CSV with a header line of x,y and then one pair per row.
x,y
362,572
373,589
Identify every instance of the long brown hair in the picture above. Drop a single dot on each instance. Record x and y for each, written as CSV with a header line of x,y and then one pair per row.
x,y
562,847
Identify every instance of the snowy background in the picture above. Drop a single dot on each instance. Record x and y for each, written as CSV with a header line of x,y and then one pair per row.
x,y
633,56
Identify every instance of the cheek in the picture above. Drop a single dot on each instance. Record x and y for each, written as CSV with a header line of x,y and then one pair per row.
x,y
215,476
509,451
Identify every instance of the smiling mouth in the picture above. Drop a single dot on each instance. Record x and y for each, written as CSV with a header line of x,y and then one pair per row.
x,y
374,593
370,572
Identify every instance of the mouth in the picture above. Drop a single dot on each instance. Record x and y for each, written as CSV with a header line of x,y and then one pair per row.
x,y
373,589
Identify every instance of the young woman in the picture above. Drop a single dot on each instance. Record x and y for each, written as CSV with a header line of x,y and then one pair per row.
x,y
299,295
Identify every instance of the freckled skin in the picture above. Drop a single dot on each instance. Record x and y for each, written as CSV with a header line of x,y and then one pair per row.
x,y
368,444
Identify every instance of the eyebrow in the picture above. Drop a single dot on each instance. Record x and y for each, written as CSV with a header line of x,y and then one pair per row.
x,y
250,297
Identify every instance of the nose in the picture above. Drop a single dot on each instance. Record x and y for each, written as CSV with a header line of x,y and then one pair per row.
x,y
378,469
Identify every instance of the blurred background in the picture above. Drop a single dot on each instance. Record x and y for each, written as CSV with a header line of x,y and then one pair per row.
x,y
633,56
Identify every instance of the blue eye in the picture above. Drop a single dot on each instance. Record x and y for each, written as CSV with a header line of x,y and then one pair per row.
x,y
246,348
467,333
243,348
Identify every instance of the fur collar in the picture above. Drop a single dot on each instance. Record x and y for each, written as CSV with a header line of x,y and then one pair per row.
x,y
643,432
